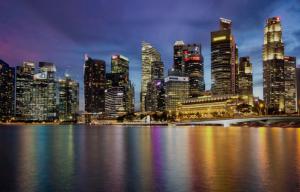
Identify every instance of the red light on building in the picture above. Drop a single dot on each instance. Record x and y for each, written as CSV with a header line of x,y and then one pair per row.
x,y
195,58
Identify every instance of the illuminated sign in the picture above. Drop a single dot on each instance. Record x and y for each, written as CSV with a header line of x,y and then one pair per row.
x,y
219,38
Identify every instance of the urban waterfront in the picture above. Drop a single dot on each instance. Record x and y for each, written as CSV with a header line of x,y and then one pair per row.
x,y
156,158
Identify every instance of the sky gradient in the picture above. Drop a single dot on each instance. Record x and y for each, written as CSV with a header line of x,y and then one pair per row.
x,y
63,31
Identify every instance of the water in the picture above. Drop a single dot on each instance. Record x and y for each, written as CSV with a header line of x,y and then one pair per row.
x,y
115,158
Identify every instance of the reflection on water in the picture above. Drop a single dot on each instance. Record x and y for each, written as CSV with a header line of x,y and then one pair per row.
x,y
115,158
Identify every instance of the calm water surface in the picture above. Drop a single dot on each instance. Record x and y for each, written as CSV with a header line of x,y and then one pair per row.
x,y
115,158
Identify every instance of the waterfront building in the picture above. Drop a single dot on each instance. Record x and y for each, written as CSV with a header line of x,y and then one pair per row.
x,y
36,93
94,85
7,84
43,105
245,79
115,102
298,88
149,56
68,99
177,90
212,106
155,97
290,84
188,60
223,60
193,68
273,66
24,85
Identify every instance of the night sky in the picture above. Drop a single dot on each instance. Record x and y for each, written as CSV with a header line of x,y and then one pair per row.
x,y
62,31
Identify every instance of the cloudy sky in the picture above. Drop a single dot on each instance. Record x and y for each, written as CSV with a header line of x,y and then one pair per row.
x,y
63,31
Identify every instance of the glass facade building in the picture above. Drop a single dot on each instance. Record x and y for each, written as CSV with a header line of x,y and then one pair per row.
x,y
7,89
149,56
68,99
223,60
290,91
94,85
273,66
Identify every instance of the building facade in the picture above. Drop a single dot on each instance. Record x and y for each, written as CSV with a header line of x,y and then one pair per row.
x,y
7,87
177,90
94,85
24,94
149,56
115,102
43,106
290,101
68,99
273,66
212,106
223,60
245,78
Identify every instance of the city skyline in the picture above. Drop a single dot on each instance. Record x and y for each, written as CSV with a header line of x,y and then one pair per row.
x,y
54,43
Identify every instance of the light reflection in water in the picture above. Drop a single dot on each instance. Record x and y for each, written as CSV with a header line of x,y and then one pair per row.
x,y
115,158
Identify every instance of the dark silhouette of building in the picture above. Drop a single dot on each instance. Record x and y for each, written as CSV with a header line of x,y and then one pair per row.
x,y
94,85
7,79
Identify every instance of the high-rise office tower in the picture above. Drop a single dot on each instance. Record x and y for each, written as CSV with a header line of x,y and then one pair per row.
x,y
188,60
120,67
115,98
94,85
149,56
298,88
273,66
120,64
7,84
68,98
177,90
155,96
245,79
290,84
179,54
223,60
193,68
24,86
43,102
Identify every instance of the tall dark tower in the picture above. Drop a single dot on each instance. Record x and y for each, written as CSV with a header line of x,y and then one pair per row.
x,y
273,66
193,68
188,61
94,85
7,78
223,60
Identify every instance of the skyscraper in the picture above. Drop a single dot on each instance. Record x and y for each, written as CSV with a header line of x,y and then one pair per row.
x,y
273,66
115,98
120,64
193,68
43,101
149,55
177,90
7,83
24,86
68,99
245,79
223,60
94,85
298,88
188,60
155,96
290,84
179,55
